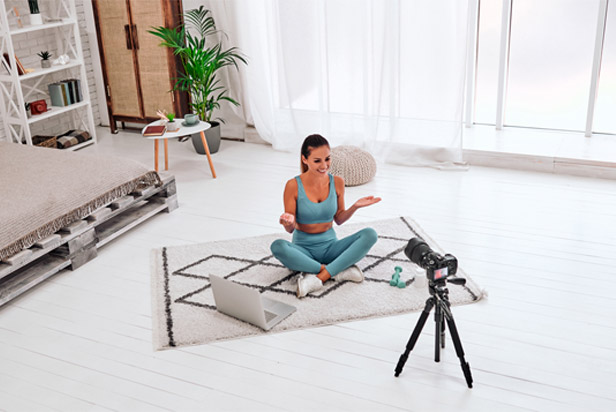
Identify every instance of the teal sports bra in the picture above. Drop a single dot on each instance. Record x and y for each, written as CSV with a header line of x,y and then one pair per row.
x,y
308,212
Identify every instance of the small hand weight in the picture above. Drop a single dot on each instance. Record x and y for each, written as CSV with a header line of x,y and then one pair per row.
x,y
395,278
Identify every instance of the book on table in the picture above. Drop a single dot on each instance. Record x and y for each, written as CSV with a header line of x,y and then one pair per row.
x,y
155,130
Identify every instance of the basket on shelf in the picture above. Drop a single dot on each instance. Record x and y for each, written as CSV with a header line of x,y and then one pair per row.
x,y
45,141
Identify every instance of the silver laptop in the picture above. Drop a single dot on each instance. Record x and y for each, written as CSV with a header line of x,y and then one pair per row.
x,y
247,304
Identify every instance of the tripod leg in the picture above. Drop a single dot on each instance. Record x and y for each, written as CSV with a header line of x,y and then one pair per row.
x,y
438,322
442,333
466,367
413,339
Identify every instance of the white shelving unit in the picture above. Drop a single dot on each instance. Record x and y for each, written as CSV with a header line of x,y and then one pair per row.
x,y
17,90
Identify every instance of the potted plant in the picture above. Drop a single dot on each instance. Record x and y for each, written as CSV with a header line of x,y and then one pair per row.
x,y
202,56
35,14
169,118
45,62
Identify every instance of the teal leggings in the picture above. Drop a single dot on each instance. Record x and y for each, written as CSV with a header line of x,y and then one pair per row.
x,y
309,251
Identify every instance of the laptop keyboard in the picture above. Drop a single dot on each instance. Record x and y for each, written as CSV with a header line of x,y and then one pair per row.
x,y
269,315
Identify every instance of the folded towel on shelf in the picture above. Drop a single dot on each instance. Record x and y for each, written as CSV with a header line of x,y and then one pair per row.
x,y
72,138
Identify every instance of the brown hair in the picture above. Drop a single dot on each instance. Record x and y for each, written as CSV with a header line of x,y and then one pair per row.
x,y
311,142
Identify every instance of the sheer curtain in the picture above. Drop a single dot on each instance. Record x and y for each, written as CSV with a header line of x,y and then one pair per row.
x,y
380,74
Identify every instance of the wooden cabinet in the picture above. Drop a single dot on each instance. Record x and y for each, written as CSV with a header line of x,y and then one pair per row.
x,y
138,73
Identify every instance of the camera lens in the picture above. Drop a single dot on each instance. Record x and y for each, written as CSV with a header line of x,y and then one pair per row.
x,y
415,249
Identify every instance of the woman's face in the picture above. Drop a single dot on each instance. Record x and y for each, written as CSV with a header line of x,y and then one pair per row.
x,y
318,160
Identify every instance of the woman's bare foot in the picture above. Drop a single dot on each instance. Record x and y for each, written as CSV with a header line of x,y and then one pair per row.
x,y
324,274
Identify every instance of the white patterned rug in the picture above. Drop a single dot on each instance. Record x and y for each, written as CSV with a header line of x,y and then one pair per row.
x,y
183,306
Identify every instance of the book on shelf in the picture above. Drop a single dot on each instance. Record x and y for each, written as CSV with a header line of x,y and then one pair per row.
x,y
155,130
71,90
55,93
77,88
65,92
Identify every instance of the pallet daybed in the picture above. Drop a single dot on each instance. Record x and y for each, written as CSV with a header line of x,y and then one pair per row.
x,y
57,208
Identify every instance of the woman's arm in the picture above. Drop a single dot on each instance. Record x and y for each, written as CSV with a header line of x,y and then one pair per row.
x,y
287,219
342,215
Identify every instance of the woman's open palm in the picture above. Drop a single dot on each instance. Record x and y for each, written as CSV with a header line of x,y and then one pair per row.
x,y
367,201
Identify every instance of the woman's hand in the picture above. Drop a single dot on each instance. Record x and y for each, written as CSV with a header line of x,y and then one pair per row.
x,y
287,219
344,215
367,201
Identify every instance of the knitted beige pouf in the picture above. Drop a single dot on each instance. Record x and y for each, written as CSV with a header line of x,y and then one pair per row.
x,y
354,165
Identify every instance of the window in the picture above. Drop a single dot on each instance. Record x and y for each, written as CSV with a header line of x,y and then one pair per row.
x,y
549,76
550,63
488,47
605,109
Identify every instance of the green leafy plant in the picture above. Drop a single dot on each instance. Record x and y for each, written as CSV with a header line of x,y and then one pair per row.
x,y
163,115
45,55
34,8
201,62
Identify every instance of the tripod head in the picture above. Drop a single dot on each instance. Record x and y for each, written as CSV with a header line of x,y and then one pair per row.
x,y
439,287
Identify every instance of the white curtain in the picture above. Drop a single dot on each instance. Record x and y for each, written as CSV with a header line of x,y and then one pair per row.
x,y
386,75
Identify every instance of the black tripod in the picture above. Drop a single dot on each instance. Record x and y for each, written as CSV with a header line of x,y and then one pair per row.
x,y
439,297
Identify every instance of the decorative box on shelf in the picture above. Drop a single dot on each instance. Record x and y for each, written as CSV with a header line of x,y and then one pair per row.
x,y
44,141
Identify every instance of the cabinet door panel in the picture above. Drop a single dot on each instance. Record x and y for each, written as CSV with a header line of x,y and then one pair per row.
x,y
120,68
156,78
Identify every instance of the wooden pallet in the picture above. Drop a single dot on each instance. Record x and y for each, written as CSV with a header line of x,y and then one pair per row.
x,y
78,243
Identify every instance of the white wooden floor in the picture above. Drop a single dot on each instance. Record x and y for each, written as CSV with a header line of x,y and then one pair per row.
x,y
545,339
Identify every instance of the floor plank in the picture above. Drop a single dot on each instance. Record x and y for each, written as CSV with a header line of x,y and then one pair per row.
x,y
541,245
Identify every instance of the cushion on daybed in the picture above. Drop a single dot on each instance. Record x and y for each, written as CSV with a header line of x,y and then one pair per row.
x,y
43,190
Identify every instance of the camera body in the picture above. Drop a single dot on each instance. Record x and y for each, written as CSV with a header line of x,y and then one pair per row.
x,y
38,107
437,267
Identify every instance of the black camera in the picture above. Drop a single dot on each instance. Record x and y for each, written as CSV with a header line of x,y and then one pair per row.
x,y
437,267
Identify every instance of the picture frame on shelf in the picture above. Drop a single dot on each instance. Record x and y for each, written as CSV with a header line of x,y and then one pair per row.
x,y
6,62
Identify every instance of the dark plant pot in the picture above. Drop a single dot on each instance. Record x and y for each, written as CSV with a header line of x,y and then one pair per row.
x,y
212,136
45,64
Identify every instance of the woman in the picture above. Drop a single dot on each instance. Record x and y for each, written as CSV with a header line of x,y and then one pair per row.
x,y
312,202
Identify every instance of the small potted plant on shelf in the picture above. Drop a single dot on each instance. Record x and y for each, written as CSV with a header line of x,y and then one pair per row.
x,y
169,118
45,62
201,65
35,14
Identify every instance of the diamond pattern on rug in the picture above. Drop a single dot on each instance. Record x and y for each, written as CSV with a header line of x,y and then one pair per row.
x,y
184,308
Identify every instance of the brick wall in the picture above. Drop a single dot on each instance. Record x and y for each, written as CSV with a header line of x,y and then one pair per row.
x,y
28,45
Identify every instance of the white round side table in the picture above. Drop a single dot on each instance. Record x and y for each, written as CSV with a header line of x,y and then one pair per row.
x,y
182,131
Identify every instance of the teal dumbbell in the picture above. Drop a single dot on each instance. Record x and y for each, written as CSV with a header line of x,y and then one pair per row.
x,y
395,278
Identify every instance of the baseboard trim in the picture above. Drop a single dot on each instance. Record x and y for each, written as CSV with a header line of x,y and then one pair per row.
x,y
558,165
